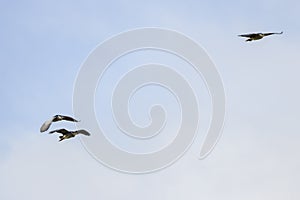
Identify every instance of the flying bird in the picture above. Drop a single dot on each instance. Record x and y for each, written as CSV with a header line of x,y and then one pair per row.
x,y
69,134
256,36
55,118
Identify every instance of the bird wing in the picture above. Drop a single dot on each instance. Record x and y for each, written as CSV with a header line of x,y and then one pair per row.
x,y
250,35
46,125
266,34
62,131
82,131
67,118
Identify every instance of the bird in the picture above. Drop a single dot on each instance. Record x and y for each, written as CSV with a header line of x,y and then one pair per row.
x,y
69,134
256,36
55,118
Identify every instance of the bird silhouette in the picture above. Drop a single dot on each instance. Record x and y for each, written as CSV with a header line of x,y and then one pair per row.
x,y
69,134
55,118
256,36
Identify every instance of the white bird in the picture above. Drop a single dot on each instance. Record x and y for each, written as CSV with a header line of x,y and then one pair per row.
x,y
55,118
69,134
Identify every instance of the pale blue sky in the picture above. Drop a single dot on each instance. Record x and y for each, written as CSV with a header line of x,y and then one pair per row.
x,y
43,44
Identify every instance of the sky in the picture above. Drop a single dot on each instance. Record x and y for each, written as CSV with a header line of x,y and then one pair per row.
x,y
43,45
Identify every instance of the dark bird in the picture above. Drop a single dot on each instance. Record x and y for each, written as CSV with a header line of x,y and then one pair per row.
x,y
257,36
69,134
55,118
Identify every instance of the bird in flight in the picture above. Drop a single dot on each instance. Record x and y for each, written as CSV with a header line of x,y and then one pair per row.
x,y
69,134
256,36
55,118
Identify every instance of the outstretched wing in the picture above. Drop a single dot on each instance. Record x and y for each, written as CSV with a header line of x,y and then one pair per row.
x,y
62,131
57,118
46,125
251,35
82,131
266,34
67,118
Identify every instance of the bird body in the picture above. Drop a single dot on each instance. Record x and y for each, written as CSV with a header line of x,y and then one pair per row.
x,y
69,134
256,36
46,125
